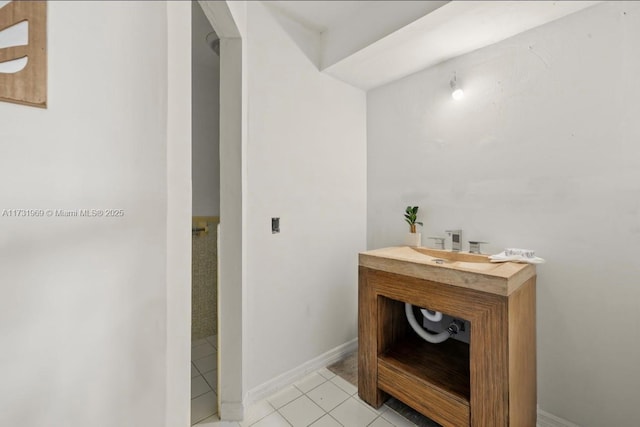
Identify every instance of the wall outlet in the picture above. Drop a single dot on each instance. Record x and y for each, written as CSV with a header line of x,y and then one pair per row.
x,y
275,225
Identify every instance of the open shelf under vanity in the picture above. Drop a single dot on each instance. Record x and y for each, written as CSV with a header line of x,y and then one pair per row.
x,y
428,377
489,382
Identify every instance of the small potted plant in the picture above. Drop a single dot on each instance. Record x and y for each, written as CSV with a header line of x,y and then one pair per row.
x,y
410,216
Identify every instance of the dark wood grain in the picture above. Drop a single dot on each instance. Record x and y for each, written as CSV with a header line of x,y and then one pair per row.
x,y
367,342
494,377
395,327
422,395
522,356
445,365
489,367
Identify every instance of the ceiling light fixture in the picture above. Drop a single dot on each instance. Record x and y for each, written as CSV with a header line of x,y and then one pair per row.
x,y
456,92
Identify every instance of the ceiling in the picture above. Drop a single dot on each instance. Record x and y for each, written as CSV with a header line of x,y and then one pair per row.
x,y
201,52
381,41
319,16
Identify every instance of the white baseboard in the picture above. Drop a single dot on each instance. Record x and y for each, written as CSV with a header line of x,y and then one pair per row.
x,y
268,388
232,411
546,419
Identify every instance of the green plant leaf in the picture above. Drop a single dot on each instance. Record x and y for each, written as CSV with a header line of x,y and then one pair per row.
x,y
411,214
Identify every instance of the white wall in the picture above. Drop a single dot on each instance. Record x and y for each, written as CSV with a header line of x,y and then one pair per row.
x,y
83,300
306,155
229,21
206,124
542,153
178,260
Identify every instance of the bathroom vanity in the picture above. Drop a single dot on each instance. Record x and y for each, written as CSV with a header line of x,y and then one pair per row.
x,y
490,382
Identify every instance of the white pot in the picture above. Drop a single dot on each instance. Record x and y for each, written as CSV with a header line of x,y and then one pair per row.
x,y
414,239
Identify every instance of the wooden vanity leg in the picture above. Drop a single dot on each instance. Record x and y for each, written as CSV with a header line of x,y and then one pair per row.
x,y
522,356
367,342
489,366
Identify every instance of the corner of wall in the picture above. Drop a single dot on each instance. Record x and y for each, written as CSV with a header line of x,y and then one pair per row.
x,y
178,257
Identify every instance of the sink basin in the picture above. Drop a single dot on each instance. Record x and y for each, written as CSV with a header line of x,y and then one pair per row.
x,y
475,271
457,259
480,266
450,255
462,260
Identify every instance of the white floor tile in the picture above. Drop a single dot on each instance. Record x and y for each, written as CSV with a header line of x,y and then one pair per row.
x,y
301,412
202,350
215,422
212,421
199,387
213,340
203,406
328,396
326,373
284,396
378,411
353,414
327,403
326,421
206,364
256,412
194,371
211,378
272,420
310,382
198,342
344,385
396,419
381,422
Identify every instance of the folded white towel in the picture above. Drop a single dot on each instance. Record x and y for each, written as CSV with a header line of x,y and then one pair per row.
x,y
517,255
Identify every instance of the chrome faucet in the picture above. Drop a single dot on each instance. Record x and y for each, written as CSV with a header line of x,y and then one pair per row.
x,y
456,239
474,246
438,242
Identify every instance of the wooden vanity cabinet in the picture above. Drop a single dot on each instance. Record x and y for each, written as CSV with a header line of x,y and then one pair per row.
x,y
490,382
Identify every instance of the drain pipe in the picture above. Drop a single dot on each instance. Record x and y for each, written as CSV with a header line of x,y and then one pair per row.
x,y
434,316
452,329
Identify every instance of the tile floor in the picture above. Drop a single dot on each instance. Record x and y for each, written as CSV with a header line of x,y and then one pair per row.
x,y
320,399
204,381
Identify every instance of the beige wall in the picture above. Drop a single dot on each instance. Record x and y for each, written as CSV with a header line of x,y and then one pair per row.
x,y
204,279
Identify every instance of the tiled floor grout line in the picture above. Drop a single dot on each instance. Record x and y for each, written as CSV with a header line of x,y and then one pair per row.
x,y
272,409
198,421
202,375
211,386
326,380
334,418
205,392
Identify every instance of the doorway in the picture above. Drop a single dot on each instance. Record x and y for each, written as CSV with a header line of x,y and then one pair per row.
x,y
205,178
232,123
